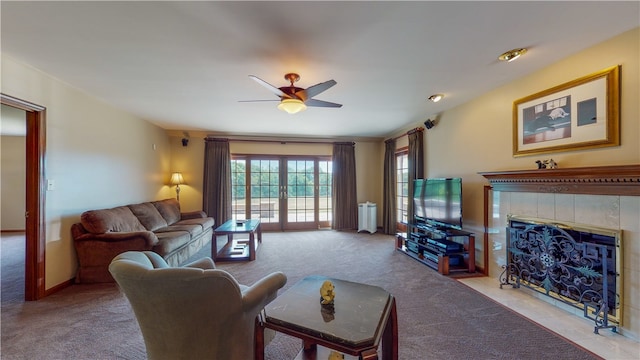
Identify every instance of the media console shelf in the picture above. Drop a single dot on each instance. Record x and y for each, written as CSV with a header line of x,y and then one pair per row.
x,y
445,250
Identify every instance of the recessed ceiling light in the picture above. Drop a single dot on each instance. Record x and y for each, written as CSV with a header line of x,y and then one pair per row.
x,y
436,97
511,55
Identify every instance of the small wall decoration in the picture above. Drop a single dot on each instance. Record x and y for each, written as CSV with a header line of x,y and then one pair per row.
x,y
547,164
581,114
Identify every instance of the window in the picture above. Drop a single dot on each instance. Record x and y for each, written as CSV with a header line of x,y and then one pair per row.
x,y
402,185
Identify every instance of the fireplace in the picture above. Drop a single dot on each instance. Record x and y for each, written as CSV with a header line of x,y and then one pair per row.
x,y
576,264
604,197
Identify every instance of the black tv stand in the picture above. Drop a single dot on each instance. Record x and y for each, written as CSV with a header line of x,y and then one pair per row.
x,y
443,249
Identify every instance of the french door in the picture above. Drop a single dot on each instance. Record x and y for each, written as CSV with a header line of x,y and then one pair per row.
x,y
284,192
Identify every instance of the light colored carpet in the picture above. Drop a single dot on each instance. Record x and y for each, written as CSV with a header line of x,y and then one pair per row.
x,y
438,317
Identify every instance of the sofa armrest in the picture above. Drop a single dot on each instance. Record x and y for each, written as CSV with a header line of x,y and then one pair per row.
x,y
148,238
193,215
95,252
206,263
263,291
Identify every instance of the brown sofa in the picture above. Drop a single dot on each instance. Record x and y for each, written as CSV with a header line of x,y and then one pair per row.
x,y
158,226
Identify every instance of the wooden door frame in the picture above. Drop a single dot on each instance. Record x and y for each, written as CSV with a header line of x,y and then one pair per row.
x,y
35,225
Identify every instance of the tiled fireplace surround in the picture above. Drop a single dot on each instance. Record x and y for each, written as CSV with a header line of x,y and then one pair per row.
x,y
607,196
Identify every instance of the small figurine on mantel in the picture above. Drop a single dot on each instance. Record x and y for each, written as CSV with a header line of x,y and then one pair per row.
x,y
547,164
327,293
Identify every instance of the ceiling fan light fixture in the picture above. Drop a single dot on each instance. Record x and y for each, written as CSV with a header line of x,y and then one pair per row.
x,y
436,97
292,106
511,55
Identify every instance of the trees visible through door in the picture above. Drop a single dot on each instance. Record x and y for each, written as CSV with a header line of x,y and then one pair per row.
x,y
285,193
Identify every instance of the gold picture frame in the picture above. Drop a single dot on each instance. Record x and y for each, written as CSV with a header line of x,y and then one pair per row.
x,y
577,115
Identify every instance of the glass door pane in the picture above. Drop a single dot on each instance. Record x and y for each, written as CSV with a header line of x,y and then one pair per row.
x,y
300,195
239,198
402,187
265,192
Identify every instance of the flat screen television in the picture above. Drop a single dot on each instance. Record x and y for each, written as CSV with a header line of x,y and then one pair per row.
x,y
440,203
418,207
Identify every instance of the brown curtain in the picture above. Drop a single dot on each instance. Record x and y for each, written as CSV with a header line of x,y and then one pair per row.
x,y
416,164
344,198
389,205
216,197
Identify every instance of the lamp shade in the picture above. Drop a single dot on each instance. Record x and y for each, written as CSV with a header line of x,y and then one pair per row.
x,y
177,179
292,106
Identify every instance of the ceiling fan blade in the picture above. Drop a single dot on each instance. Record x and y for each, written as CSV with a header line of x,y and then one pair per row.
x,y
314,90
270,87
274,100
320,103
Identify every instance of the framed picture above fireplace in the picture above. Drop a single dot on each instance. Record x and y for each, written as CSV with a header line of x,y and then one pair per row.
x,y
577,115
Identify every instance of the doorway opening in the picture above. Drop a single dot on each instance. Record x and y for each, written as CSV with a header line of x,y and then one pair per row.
x,y
34,197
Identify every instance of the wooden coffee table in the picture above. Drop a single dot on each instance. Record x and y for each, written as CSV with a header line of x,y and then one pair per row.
x,y
362,317
235,250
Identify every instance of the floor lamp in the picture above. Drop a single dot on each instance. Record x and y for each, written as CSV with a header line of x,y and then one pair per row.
x,y
177,180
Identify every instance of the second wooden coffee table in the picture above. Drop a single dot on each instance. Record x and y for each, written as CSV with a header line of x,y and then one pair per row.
x,y
236,249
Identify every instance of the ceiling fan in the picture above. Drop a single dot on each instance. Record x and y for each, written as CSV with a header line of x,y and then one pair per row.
x,y
294,99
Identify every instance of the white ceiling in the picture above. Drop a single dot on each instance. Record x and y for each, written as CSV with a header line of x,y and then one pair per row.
x,y
185,65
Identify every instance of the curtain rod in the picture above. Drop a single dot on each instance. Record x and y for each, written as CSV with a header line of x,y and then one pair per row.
x,y
406,134
278,141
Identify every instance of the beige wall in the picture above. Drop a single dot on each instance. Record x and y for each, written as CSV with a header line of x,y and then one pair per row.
x,y
96,155
476,137
99,156
12,182
190,161
369,171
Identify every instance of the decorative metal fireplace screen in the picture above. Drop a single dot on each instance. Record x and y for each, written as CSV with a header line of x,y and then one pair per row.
x,y
578,265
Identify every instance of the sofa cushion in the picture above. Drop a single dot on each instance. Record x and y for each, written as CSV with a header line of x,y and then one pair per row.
x,y
118,219
204,222
148,215
170,241
169,209
192,229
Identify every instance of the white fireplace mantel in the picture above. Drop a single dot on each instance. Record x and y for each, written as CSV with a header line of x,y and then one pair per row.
x,y
599,180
